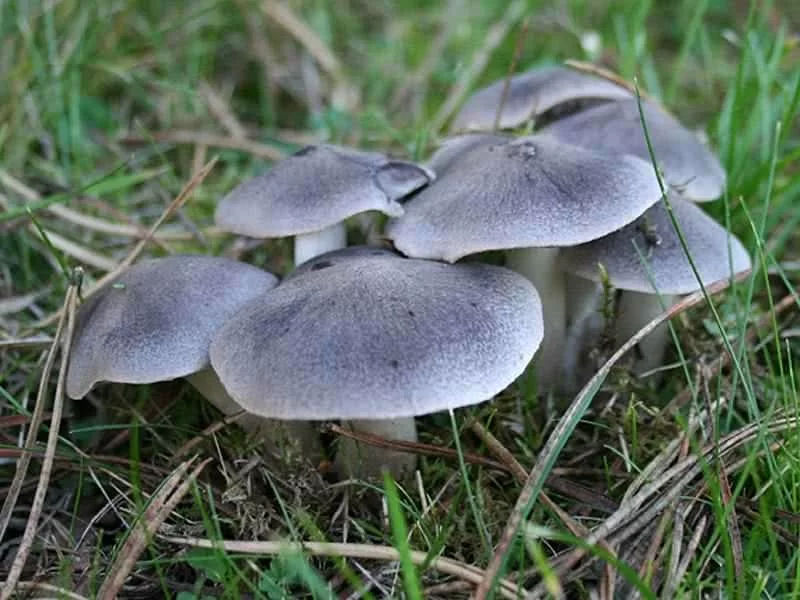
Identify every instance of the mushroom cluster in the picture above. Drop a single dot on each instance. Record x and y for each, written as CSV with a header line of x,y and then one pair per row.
x,y
375,336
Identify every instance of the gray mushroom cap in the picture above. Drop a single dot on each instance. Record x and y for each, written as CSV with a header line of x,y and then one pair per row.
x,y
455,148
533,191
317,187
532,94
367,334
688,165
716,253
155,321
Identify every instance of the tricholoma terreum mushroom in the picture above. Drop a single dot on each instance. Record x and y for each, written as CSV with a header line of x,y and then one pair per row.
x,y
310,194
368,336
155,323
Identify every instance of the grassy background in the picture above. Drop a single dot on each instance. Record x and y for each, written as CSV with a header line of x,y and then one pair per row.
x,y
108,108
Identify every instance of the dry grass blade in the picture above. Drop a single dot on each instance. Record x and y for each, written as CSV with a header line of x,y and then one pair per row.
x,y
523,33
671,584
73,216
83,254
202,138
651,560
179,201
191,444
222,111
75,250
161,506
505,455
15,304
419,78
514,12
559,435
36,420
629,520
725,359
733,531
598,71
282,15
57,592
444,565
31,526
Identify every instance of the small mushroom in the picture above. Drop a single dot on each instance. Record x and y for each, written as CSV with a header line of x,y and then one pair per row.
x,y
529,196
368,336
530,95
309,195
645,260
688,165
154,323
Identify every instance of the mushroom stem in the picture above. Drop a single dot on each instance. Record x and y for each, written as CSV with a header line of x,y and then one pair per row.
x,y
634,311
309,245
357,460
277,435
540,266
583,297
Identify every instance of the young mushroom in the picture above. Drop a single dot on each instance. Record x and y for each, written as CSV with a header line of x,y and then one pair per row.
x,y
536,93
310,194
155,322
367,336
645,260
689,167
528,196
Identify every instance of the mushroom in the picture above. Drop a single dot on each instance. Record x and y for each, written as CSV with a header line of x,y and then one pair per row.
x,y
309,195
552,90
368,336
154,323
688,165
647,262
528,196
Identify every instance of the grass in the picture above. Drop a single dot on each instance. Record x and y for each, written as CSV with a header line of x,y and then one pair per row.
x,y
108,109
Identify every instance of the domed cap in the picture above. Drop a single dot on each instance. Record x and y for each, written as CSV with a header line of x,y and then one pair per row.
x,y
455,148
155,321
713,249
532,94
688,164
364,333
501,193
317,187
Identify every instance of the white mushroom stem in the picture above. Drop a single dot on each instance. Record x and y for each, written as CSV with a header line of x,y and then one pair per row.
x,y
309,245
583,298
366,462
540,266
634,311
277,435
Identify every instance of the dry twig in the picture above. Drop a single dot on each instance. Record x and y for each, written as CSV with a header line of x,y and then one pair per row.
x,y
444,565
